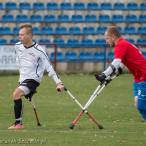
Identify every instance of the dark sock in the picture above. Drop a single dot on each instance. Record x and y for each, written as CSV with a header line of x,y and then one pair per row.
x,y
18,108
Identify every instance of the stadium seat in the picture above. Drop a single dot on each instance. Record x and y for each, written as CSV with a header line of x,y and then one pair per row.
x,y
73,43
11,6
110,55
24,6
3,41
144,54
63,18
59,42
35,18
5,30
49,18
117,18
36,30
141,30
87,43
141,41
106,6
132,41
7,18
91,18
44,40
132,6
65,6
14,41
88,30
99,55
1,6
52,6
61,30
131,18
59,56
15,30
143,6
79,6
70,56
129,30
77,18
142,18
38,6
21,18
99,42
101,29
85,55
104,18
92,6
47,30
75,30
119,6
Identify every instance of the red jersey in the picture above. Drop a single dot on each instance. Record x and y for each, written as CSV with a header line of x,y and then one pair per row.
x,y
132,58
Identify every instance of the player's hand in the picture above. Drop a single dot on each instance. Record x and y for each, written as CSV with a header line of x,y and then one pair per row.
x,y
60,87
100,77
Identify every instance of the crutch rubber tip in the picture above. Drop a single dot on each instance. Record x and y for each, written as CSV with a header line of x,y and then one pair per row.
x,y
100,127
39,124
71,126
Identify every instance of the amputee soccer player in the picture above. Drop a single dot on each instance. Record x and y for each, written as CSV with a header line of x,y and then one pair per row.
x,y
32,61
126,54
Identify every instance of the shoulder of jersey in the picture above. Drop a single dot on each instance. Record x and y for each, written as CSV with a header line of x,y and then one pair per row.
x,y
19,43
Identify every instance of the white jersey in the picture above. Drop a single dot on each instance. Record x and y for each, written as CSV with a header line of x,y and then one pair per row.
x,y
32,62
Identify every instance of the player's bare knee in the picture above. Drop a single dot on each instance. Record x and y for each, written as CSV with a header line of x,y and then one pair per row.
x,y
18,93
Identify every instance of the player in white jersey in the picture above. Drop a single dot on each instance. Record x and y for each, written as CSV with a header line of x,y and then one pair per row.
x,y
32,61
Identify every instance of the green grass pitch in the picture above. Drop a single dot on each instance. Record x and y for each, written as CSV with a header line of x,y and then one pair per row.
x,y
113,109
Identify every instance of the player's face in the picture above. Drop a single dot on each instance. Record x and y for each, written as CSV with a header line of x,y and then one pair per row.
x,y
109,39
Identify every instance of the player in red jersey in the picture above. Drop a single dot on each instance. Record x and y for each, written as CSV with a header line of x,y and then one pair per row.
x,y
126,54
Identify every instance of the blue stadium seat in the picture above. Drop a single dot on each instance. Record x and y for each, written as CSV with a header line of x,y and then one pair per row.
x,y
44,40
59,42
61,30
47,30
75,30
129,30
49,18
131,18
14,41
35,30
3,41
5,30
63,18
11,6
73,43
59,56
70,56
92,6
110,55
117,18
35,18
85,55
88,30
52,6
141,41
15,30
143,6
132,41
87,43
21,18
104,18
142,18
119,6
144,54
38,6
101,29
99,55
24,6
91,18
65,6
77,18
7,18
132,6
141,30
1,6
99,42
106,6
79,6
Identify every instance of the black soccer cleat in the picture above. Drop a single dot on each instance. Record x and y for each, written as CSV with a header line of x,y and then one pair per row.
x,y
71,126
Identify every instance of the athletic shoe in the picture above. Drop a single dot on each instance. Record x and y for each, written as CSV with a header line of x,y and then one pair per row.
x,y
16,126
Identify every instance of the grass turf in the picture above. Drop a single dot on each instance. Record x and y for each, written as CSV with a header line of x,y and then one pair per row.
x,y
113,109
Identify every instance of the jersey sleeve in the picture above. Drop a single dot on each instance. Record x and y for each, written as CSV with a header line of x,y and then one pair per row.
x,y
16,53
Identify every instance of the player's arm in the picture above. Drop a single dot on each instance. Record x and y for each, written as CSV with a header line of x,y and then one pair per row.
x,y
16,53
